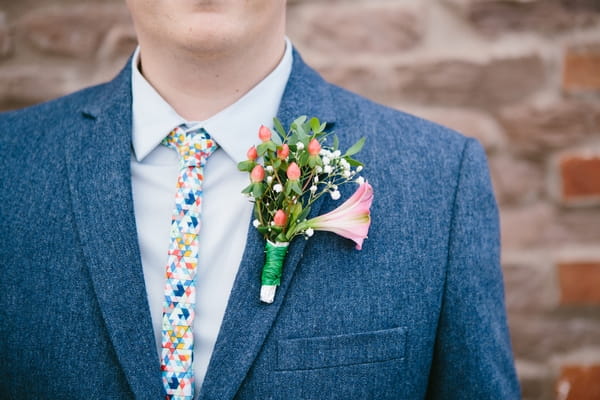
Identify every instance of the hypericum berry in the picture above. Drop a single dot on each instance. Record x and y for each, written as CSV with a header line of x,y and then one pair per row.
x,y
293,172
264,133
284,152
314,147
252,154
280,218
257,174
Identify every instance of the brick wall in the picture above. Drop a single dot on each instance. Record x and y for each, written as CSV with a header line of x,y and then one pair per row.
x,y
521,76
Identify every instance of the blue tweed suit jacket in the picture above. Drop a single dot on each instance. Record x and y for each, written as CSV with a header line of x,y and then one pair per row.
x,y
417,314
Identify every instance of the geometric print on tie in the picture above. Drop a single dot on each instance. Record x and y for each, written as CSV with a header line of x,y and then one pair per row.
x,y
194,147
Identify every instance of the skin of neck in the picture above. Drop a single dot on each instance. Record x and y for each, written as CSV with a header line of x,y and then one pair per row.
x,y
198,83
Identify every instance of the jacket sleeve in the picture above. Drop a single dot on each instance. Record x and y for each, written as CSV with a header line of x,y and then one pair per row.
x,y
472,356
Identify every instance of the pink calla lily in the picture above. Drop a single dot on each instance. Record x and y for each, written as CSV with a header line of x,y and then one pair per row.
x,y
351,219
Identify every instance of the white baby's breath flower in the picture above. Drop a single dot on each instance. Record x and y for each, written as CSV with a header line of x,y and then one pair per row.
x,y
346,174
326,160
313,188
318,169
300,146
269,180
316,179
359,168
309,232
256,223
327,169
277,188
360,180
269,168
337,153
335,195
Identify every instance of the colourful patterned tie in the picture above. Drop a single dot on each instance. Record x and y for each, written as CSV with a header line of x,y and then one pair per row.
x,y
194,146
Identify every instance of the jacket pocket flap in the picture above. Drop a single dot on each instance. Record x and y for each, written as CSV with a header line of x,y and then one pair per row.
x,y
330,351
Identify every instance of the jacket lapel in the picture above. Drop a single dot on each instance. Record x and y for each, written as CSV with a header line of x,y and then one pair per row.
x,y
98,162
247,321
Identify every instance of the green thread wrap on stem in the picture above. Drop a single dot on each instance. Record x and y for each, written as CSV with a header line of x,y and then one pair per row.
x,y
275,255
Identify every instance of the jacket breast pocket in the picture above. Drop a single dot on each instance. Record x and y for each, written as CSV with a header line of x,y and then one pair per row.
x,y
340,350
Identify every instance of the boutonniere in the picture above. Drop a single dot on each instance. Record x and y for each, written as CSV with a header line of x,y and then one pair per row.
x,y
289,171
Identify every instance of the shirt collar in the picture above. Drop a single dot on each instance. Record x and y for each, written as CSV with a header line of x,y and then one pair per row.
x,y
235,128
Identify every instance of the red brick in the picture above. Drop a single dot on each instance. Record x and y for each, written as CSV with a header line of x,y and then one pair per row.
x,y
476,124
524,227
541,225
535,129
579,283
5,39
516,180
579,382
580,179
538,336
71,31
451,81
455,82
119,43
24,85
382,28
581,71
494,17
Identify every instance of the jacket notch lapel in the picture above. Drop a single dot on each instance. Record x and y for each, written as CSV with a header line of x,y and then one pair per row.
x,y
98,164
247,321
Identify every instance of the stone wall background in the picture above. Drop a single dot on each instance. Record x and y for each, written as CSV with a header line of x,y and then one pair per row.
x,y
522,76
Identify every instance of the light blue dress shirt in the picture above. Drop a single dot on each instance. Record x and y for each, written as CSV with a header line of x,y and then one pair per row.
x,y
225,211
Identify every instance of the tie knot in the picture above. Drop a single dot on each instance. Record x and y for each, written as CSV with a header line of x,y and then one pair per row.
x,y
193,145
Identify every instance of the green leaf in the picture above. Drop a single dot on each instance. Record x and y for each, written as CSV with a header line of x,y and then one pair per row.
x,y
336,142
301,133
263,229
353,162
246,166
258,190
356,147
303,159
292,140
276,138
313,161
300,120
303,214
294,211
295,185
278,127
262,148
248,189
266,146
314,124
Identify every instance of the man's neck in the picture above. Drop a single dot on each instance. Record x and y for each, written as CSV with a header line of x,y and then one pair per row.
x,y
198,86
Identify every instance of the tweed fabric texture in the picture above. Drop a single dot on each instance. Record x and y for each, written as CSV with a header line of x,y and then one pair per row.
x,y
418,313
194,147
